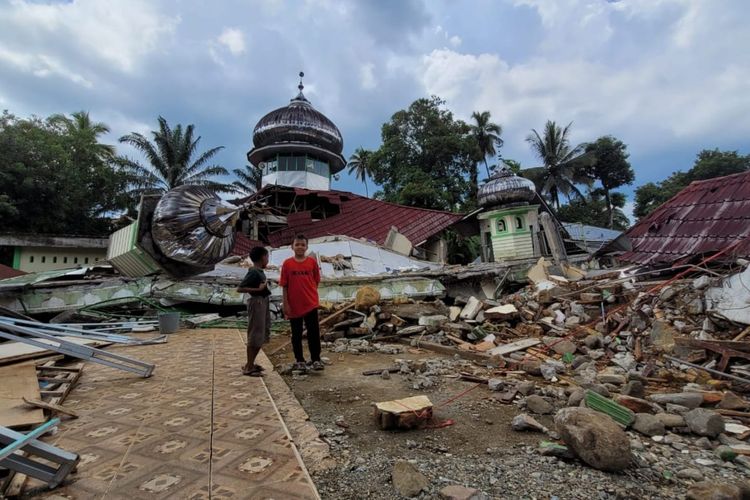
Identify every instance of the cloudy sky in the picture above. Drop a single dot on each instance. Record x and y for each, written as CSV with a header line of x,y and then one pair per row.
x,y
667,77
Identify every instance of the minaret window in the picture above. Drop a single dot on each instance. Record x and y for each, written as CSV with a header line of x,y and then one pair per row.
x,y
519,223
501,226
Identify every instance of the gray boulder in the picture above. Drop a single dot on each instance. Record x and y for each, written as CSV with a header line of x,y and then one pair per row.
x,y
595,438
704,422
648,425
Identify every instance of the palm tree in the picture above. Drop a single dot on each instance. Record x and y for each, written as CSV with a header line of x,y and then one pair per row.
x,y
487,135
360,163
248,180
170,157
562,168
85,132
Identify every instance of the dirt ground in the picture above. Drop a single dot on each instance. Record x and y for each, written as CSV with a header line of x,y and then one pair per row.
x,y
478,450
481,421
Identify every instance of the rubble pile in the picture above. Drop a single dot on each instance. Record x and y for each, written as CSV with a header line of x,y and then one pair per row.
x,y
629,374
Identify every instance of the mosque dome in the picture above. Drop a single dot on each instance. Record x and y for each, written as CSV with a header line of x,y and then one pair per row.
x,y
298,127
504,187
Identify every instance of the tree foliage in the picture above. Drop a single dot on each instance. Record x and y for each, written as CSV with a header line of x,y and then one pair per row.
x,y
563,164
248,180
360,164
487,135
56,177
594,210
172,162
611,168
426,158
708,164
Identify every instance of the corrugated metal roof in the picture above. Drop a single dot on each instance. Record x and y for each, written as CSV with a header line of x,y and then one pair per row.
x,y
8,272
703,218
583,232
370,219
243,244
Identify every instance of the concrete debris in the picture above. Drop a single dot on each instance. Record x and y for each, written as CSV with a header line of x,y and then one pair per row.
x,y
705,422
524,422
407,479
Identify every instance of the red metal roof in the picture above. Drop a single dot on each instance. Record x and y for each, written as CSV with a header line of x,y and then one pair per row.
x,y
243,244
366,218
8,272
703,218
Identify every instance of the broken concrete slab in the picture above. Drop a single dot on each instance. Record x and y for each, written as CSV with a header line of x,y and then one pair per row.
x,y
471,309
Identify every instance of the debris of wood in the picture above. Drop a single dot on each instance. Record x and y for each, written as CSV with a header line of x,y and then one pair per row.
x,y
53,408
407,413
19,382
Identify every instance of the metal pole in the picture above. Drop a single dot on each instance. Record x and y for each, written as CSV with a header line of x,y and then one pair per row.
x,y
709,370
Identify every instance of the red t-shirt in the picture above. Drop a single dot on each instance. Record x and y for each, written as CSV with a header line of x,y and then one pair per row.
x,y
301,282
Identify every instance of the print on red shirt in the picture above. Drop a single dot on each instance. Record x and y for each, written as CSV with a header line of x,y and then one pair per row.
x,y
301,282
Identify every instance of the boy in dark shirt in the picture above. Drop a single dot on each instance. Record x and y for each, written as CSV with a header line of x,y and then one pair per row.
x,y
300,277
258,310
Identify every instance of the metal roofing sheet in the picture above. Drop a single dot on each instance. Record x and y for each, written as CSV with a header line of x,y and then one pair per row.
x,y
370,219
703,218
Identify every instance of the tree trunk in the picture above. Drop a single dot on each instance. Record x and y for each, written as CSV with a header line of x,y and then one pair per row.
x,y
486,167
367,191
610,212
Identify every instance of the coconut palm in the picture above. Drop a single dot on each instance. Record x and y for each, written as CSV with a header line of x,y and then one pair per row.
x,y
85,132
360,164
171,161
487,135
563,163
248,180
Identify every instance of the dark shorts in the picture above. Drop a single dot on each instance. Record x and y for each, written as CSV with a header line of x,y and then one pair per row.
x,y
258,321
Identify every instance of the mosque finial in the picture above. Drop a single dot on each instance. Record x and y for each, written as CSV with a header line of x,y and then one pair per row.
x,y
300,86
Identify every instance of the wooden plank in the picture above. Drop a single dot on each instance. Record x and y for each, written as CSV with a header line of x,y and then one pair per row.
x,y
450,351
19,382
11,352
336,314
518,345
38,403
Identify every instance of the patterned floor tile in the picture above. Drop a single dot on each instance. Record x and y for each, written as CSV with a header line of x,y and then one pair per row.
x,y
196,429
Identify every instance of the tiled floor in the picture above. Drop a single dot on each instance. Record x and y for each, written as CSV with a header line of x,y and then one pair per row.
x,y
196,429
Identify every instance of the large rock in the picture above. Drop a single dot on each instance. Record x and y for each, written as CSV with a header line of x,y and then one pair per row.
x,y
704,422
407,480
648,424
539,405
688,399
706,490
732,401
594,438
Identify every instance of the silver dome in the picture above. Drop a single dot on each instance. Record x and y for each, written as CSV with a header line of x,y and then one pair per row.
x,y
505,187
193,225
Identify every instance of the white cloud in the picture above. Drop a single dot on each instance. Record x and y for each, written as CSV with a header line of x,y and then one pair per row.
x,y
233,39
686,82
455,40
367,76
41,66
118,32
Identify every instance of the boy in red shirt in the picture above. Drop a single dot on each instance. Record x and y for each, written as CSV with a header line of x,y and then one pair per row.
x,y
300,277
